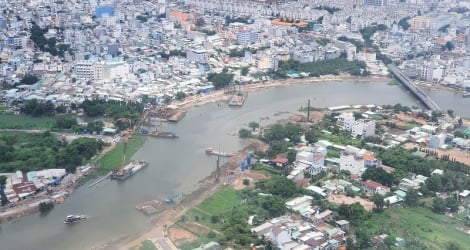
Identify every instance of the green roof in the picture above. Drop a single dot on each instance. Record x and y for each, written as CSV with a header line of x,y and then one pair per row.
x,y
466,131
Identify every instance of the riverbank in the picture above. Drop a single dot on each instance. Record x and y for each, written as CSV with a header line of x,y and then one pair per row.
x,y
220,95
208,185
205,189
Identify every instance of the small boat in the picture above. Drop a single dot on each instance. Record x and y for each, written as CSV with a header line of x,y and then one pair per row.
x,y
211,151
74,218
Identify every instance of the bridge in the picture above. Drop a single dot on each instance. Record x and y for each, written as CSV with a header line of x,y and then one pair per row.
x,y
423,97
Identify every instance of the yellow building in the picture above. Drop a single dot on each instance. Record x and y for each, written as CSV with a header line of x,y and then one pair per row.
x,y
420,23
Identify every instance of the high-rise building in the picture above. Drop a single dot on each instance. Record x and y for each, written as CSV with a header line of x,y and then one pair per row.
x,y
377,3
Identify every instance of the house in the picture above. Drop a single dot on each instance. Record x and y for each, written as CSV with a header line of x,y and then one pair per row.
x,y
263,228
24,189
280,162
280,235
326,215
465,194
371,187
343,224
299,203
318,190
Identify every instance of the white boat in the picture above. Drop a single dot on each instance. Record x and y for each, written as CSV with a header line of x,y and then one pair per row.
x,y
211,151
74,218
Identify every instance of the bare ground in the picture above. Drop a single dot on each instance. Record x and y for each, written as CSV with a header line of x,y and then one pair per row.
x,y
340,198
180,236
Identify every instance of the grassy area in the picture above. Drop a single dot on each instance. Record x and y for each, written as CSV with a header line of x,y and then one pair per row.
x,y
113,158
224,199
221,202
11,121
434,230
341,139
266,169
410,125
146,245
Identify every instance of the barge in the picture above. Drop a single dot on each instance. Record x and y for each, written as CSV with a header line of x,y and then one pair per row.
x,y
211,151
129,170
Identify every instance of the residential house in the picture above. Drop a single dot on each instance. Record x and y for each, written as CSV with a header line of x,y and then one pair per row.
x,y
300,204
371,187
343,224
280,162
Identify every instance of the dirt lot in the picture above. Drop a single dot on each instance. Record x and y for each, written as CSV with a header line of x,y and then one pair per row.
x,y
339,199
179,236
251,175
459,155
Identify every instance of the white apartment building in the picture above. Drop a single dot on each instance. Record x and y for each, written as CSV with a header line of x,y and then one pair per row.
x,y
363,127
84,70
346,121
247,36
197,55
354,163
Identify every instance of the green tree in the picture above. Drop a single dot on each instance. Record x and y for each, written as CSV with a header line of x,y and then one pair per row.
x,y
355,213
253,125
278,185
389,241
378,202
411,198
439,205
434,183
45,207
451,245
404,23
275,205
65,121
449,46
244,133
3,197
180,95
200,22
29,80
220,80
379,175
291,155
244,71
452,204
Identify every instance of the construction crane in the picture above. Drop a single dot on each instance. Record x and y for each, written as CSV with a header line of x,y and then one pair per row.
x,y
127,135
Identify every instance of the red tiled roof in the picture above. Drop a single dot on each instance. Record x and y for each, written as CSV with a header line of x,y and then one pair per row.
x,y
281,160
368,157
371,184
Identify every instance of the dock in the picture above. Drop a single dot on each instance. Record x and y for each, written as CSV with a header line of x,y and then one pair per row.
x,y
237,100
177,116
152,207
100,180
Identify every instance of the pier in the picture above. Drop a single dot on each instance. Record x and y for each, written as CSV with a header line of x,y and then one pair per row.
x,y
100,180
423,97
